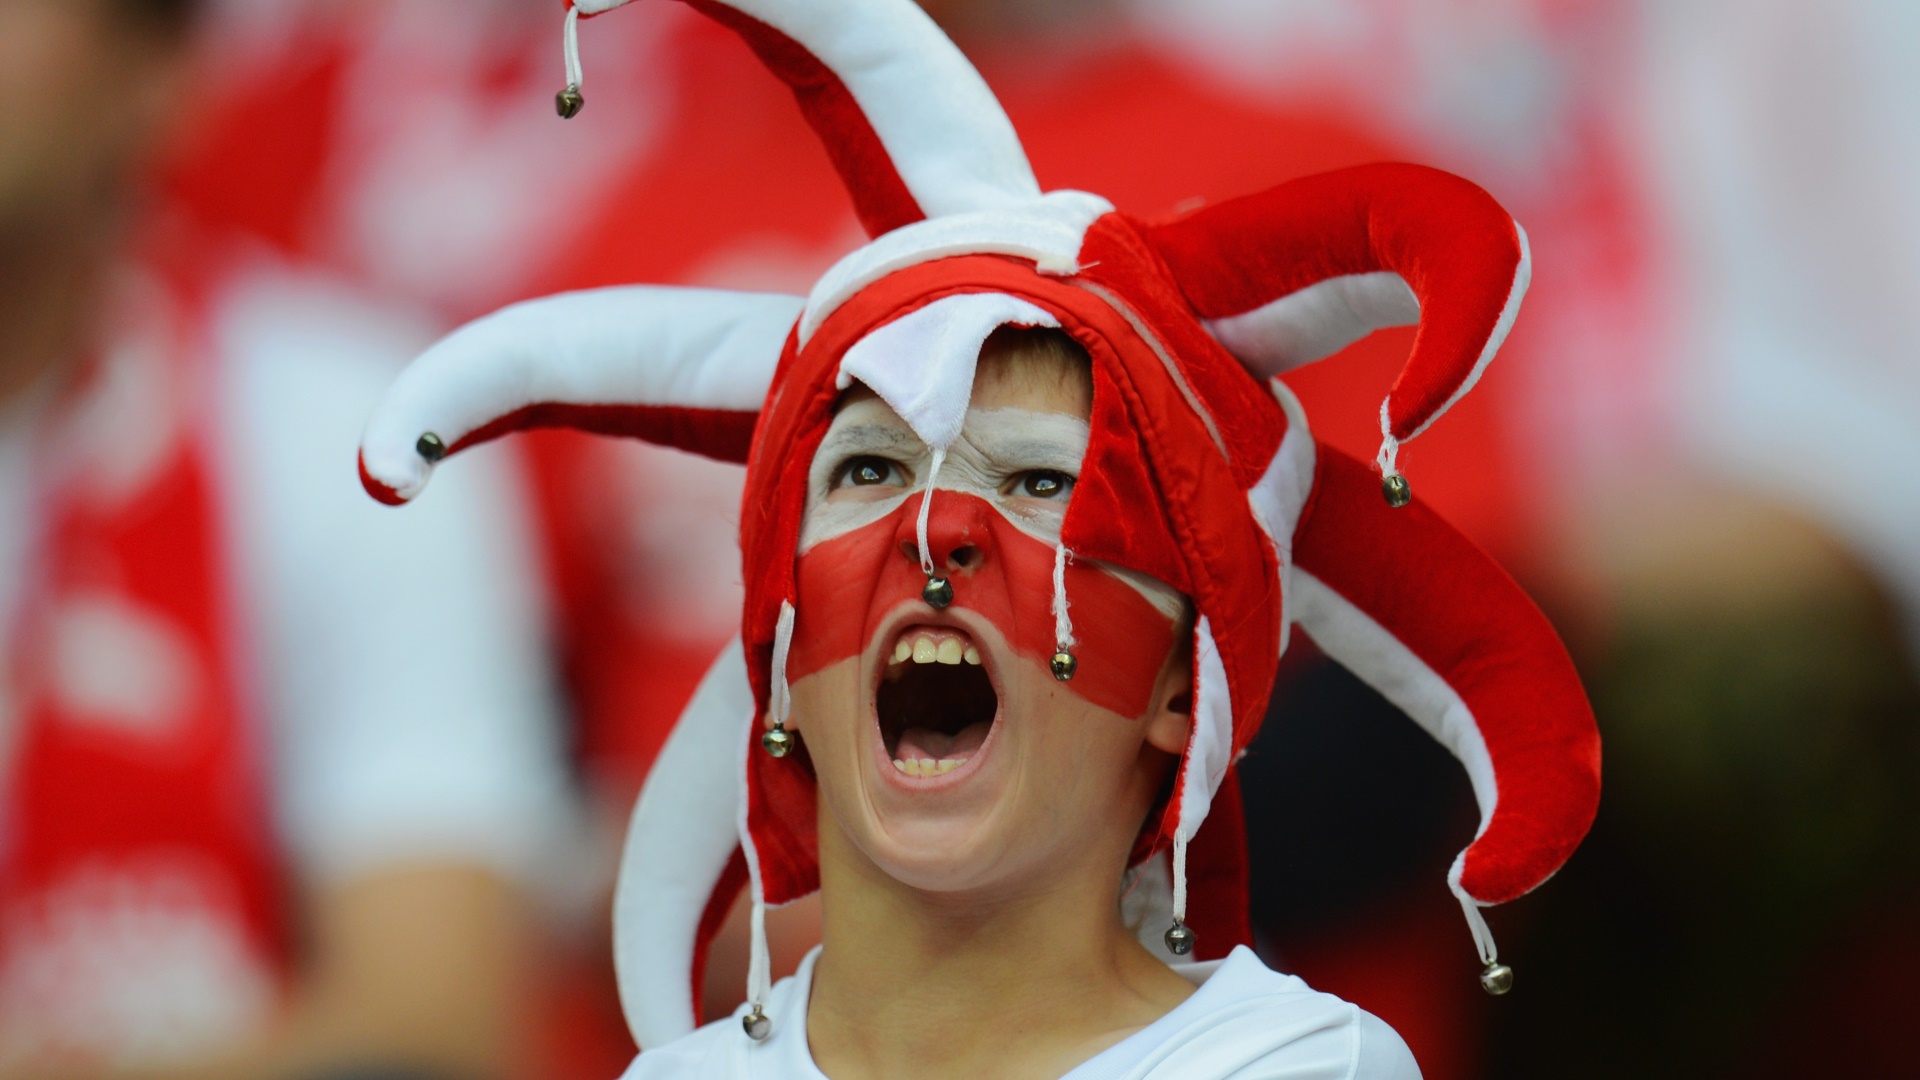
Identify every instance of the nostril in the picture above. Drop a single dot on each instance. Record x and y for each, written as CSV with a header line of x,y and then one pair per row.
x,y
962,557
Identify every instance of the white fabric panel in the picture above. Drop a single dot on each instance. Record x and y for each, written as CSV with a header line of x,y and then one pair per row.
x,y
1522,277
1361,645
948,137
1281,493
922,363
399,658
1048,230
1210,744
678,842
1316,321
638,345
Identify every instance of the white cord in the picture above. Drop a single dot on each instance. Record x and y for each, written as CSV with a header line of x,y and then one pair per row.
x,y
1179,880
1482,935
759,966
1062,622
926,507
570,46
1389,446
782,643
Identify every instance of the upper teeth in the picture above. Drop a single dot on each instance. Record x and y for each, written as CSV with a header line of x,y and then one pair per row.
x,y
929,649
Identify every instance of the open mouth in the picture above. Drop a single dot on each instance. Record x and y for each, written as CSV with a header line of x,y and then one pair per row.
x,y
935,702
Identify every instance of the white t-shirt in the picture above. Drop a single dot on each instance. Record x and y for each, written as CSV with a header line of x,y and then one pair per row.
x,y
1243,1022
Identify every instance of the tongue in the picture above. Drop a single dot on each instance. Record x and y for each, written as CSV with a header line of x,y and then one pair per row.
x,y
919,742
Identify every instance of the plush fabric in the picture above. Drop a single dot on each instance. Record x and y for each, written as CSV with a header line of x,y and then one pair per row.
x,y
684,367
1198,472
1459,252
880,197
1458,614
672,880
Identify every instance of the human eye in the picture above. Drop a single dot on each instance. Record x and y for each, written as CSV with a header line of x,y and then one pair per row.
x,y
868,470
1041,484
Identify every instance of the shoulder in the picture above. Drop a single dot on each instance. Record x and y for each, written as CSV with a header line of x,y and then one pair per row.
x,y
705,1052
1259,1024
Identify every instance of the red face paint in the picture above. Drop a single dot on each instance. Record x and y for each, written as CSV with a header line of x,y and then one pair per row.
x,y
850,583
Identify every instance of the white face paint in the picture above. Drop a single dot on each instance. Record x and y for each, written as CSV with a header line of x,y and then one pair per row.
x,y
1002,456
991,459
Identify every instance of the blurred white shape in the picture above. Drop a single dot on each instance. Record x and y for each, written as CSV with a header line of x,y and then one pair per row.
x,y
117,665
121,965
1789,137
130,420
1485,81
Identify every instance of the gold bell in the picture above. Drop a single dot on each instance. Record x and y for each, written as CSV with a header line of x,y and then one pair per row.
x,y
1398,492
1180,938
757,1025
778,742
1497,979
938,593
569,102
431,448
1063,665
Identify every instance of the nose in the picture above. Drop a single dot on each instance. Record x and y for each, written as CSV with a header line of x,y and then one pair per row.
x,y
957,535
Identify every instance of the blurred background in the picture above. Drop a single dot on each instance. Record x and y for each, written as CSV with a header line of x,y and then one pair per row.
x,y
294,786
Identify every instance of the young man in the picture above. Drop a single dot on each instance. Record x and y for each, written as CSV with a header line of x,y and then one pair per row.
x,y
1024,537
977,813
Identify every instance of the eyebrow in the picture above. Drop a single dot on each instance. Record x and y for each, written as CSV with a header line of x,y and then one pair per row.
x,y
872,437
1011,438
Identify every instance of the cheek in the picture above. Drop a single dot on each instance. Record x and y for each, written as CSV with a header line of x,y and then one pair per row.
x,y
827,716
844,587
1121,639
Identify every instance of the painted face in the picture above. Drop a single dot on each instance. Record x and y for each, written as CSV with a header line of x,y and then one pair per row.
x,y
944,748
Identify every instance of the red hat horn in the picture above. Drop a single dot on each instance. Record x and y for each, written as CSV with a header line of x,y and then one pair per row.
x,y
1301,270
909,124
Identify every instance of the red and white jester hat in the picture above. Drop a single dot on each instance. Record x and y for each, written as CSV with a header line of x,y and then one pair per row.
x,y
1200,471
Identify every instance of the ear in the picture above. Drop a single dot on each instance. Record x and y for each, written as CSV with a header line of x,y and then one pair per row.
x,y
1171,720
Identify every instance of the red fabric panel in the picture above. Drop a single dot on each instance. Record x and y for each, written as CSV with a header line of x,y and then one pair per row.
x,y
721,434
1217,876
1460,613
880,197
1455,246
725,891
1119,258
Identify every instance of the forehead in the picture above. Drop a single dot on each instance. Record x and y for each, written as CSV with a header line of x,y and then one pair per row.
x,y
1036,382
1018,369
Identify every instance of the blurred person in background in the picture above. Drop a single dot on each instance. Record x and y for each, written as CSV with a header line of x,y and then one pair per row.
x,y
279,772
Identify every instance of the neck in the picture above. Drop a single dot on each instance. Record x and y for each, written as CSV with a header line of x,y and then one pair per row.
x,y
1015,982
52,275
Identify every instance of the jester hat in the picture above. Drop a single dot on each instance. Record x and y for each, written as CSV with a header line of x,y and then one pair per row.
x,y
1200,470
